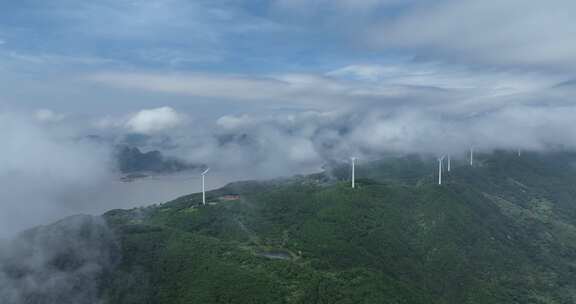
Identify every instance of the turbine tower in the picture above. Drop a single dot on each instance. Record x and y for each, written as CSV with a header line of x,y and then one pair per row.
x,y
204,186
353,172
440,160
472,156
449,162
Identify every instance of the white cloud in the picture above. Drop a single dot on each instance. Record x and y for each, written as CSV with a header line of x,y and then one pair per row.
x,y
39,169
302,151
286,90
200,85
154,120
230,122
506,32
313,137
486,81
309,91
47,115
438,87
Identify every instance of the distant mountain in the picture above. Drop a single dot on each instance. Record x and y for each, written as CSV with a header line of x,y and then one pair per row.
x,y
503,231
140,140
132,161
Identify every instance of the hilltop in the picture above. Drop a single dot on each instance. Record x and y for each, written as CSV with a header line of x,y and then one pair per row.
x,y
503,231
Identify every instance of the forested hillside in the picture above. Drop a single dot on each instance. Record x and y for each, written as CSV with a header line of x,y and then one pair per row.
x,y
503,231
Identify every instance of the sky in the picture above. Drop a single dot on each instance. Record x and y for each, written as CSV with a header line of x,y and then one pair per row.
x,y
269,88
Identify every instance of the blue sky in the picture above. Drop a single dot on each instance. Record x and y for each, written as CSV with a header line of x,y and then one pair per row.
x,y
239,36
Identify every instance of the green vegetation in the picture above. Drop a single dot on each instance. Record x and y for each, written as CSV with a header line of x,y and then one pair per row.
x,y
502,232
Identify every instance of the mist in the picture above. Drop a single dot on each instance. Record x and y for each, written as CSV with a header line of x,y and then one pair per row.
x,y
60,263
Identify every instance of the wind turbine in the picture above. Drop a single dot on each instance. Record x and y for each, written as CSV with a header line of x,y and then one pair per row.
x,y
440,160
472,156
449,162
204,186
353,172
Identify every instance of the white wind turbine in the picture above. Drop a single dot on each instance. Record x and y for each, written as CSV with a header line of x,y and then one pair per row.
x,y
204,186
440,160
472,156
449,162
353,159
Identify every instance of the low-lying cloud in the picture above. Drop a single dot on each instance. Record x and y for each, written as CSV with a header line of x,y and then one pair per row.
x,y
58,264
38,168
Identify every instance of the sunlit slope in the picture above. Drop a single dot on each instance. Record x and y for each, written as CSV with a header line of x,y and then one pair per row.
x,y
503,231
